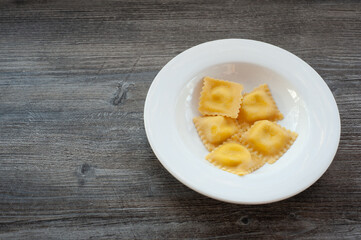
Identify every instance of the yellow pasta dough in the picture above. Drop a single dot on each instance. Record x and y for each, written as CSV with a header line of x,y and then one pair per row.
x,y
259,105
235,158
220,97
214,130
268,139
240,131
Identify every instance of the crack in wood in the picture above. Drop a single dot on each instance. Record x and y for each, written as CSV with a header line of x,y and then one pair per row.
x,y
85,172
121,93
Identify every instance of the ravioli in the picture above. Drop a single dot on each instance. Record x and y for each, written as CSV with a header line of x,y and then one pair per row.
x,y
240,131
214,130
220,97
268,139
259,105
235,158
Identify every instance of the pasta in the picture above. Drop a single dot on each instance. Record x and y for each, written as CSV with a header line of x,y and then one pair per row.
x,y
214,130
259,105
240,131
220,97
268,139
235,158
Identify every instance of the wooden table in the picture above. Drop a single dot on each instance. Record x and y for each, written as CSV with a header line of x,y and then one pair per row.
x,y
75,162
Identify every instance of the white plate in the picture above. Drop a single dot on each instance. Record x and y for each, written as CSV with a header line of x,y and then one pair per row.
x,y
300,93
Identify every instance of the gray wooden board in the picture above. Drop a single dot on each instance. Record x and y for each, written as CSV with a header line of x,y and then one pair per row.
x,y
75,162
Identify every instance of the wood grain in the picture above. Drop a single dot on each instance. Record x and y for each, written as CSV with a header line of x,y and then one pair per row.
x,y
74,159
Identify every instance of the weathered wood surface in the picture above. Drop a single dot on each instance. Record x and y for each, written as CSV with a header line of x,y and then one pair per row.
x,y
74,159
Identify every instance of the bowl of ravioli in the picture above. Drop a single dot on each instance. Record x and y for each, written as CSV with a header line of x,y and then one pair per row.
x,y
278,134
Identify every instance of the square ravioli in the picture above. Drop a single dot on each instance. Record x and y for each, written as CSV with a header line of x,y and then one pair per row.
x,y
268,139
220,97
259,105
214,130
235,158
